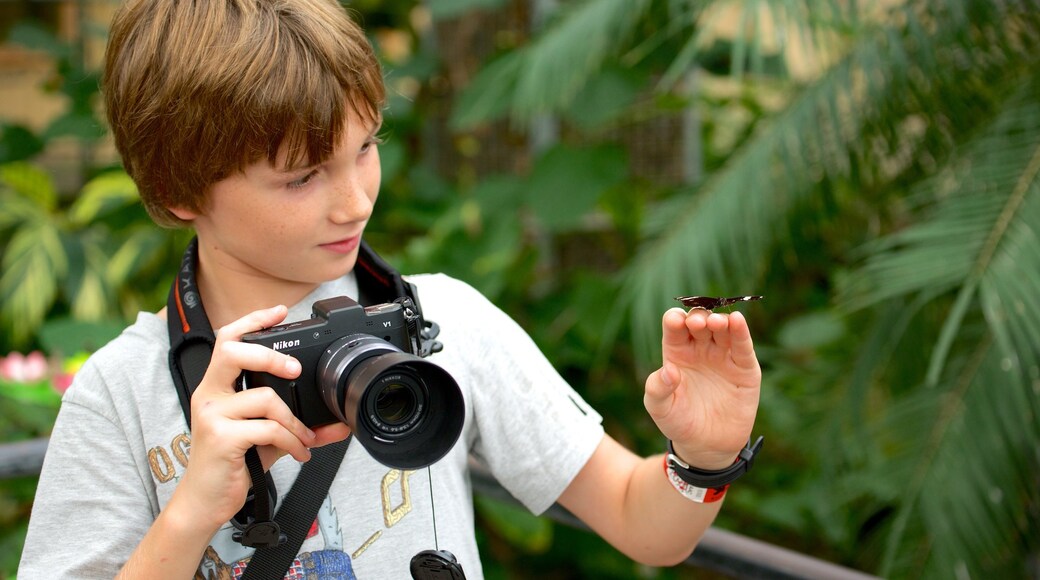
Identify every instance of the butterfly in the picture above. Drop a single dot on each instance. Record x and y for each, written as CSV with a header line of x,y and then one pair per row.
x,y
710,303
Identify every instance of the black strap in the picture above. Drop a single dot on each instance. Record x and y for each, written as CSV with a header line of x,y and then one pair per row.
x,y
191,348
277,539
191,336
306,496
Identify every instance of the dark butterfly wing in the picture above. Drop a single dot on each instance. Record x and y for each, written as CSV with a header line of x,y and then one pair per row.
x,y
712,302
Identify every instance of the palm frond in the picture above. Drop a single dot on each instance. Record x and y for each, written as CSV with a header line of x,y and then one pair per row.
x,y
721,231
967,473
978,240
982,207
735,217
556,67
547,75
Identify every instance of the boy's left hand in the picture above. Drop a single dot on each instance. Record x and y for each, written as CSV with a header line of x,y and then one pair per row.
x,y
705,396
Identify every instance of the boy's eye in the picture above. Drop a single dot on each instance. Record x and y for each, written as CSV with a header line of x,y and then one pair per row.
x,y
371,143
298,183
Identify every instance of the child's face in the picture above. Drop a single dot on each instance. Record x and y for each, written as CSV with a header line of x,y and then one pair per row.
x,y
296,225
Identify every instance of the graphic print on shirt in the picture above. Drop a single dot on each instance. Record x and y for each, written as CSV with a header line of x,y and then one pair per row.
x,y
226,559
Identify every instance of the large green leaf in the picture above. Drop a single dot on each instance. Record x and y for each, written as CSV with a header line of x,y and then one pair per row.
x,y
604,98
17,143
566,183
142,247
92,296
33,262
101,195
67,336
17,210
30,182
489,94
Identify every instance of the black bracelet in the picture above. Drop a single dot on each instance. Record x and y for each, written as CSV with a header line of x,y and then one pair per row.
x,y
718,478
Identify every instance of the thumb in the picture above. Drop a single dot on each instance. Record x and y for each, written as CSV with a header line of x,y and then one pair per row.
x,y
660,386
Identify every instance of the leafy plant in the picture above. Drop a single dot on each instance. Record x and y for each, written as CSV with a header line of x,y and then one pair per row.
x,y
884,205
90,255
883,199
87,259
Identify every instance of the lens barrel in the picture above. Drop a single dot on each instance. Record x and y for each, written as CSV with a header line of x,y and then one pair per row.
x,y
407,412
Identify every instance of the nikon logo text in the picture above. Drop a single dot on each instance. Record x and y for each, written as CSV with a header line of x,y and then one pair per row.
x,y
283,344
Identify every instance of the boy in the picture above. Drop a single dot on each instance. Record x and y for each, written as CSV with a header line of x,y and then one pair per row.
x,y
255,122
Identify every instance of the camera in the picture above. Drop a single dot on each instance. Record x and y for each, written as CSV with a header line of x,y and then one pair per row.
x,y
361,366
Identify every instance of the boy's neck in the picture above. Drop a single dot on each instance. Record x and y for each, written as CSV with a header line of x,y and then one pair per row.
x,y
229,294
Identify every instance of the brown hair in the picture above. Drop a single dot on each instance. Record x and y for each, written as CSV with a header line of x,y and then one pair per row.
x,y
196,90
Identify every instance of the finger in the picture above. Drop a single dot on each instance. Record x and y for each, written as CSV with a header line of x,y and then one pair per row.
x,y
673,330
718,324
697,325
252,322
260,403
230,358
266,433
332,433
324,435
741,345
660,386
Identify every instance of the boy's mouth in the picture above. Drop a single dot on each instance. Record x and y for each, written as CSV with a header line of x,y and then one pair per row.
x,y
344,246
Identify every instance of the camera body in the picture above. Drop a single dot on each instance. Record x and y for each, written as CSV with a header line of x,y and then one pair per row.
x,y
307,340
360,366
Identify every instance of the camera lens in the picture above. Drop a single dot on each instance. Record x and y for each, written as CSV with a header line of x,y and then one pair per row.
x,y
405,411
392,404
395,404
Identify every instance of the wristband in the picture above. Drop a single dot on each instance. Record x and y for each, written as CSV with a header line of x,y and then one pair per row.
x,y
706,486
692,492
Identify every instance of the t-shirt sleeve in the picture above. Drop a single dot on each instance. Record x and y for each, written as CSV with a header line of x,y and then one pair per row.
x,y
91,508
533,430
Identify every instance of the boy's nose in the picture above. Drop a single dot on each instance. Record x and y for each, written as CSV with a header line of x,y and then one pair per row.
x,y
352,203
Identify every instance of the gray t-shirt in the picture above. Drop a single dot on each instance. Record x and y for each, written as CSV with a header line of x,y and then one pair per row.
x,y
120,445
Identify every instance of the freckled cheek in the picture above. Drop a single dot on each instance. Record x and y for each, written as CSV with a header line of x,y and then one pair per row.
x,y
372,187
265,224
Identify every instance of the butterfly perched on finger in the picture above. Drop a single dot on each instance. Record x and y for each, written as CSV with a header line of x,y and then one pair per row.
x,y
710,303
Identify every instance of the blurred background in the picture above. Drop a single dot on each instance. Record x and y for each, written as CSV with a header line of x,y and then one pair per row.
x,y
870,167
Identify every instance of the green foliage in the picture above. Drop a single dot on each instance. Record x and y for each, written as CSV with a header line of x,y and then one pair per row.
x,y
516,525
886,207
88,259
885,204
451,8
91,255
76,265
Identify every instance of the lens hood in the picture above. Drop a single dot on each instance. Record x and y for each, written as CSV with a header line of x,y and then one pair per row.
x,y
406,411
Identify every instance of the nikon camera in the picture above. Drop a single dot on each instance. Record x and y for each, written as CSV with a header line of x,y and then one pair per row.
x,y
360,367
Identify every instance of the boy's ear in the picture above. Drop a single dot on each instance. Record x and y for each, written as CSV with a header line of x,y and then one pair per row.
x,y
183,213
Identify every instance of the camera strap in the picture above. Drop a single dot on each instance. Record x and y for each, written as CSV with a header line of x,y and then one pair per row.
x,y
277,539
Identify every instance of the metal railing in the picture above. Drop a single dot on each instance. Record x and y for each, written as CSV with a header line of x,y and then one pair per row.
x,y
720,551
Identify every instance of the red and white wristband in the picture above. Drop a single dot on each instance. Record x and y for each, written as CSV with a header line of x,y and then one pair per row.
x,y
704,486
692,492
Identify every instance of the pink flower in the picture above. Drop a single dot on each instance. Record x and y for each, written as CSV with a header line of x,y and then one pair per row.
x,y
62,382
18,368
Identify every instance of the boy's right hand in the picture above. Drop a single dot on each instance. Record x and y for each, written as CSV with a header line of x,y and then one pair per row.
x,y
225,423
